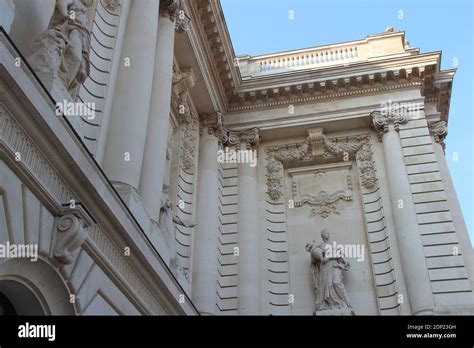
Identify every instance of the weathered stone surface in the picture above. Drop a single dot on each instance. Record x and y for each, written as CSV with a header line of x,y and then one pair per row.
x,y
347,137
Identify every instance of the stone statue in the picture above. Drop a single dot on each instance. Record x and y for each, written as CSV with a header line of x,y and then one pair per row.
x,y
167,222
326,268
62,52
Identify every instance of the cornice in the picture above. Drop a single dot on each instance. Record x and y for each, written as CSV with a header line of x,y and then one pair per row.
x,y
314,98
404,69
393,64
203,22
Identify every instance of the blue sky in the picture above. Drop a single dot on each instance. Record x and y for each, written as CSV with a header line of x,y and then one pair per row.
x,y
264,26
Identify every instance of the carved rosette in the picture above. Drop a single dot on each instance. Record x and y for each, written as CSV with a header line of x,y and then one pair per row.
x,y
382,120
174,11
439,131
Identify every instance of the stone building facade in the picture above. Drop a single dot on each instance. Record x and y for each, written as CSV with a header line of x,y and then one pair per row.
x,y
133,213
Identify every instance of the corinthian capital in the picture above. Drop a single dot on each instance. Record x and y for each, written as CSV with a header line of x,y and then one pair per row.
x,y
382,120
214,123
439,131
174,10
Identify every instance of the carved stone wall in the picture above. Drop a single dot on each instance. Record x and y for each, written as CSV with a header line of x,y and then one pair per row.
x,y
336,154
227,260
184,162
104,28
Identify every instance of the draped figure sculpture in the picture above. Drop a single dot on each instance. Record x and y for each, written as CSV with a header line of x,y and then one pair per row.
x,y
62,51
167,221
326,269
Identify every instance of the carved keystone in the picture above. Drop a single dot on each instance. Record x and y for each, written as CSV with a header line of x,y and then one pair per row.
x,y
316,141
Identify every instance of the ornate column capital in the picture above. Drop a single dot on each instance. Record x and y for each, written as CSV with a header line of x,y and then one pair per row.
x,y
214,123
248,138
382,119
174,11
439,131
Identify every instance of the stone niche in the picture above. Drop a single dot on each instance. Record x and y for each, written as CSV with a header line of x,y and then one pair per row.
x,y
327,196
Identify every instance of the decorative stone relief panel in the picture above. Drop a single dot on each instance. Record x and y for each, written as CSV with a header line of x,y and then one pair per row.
x,y
325,198
183,180
322,193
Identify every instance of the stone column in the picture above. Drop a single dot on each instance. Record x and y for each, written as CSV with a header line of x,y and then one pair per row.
x,y
248,264
128,125
439,131
411,248
153,171
205,240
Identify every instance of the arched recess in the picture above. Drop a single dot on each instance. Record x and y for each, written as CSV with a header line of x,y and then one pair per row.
x,y
34,288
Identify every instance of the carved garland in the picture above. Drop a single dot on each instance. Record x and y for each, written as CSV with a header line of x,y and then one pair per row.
x,y
188,148
277,156
183,81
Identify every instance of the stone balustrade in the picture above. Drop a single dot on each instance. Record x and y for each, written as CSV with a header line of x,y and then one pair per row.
x,y
309,59
323,56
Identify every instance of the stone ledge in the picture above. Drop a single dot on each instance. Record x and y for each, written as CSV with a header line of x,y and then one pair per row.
x,y
335,311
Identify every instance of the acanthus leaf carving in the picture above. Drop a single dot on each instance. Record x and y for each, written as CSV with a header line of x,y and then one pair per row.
x,y
174,11
365,164
350,147
382,119
183,81
274,176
